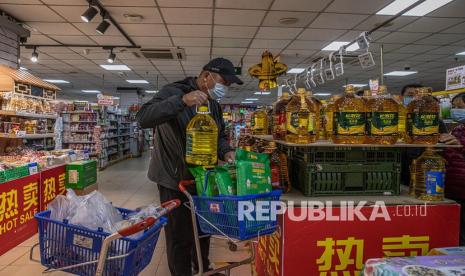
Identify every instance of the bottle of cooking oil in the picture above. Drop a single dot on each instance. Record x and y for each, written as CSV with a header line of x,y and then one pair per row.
x,y
279,117
202,139
298,120
383,118
402,118
367,95
350,118
259,122
430,176
329,117
269,116
317,109
423,118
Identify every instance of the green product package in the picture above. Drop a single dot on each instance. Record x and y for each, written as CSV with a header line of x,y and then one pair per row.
x,y
199,174
226,180
253,173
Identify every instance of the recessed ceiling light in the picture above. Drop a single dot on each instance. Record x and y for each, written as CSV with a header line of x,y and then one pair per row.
x,y
356,85
251,99
151,91
296,70
427,7
25,69
113,67
262,93
458,54
335,45
400,73
322,94
56,81
247,102
396,7
90,91
137,81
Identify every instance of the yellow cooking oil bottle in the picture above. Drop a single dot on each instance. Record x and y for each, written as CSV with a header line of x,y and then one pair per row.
x,y
423,118
299,120
318,107
202,139
430,176
402,118
329,117
279,117
349,125
383,118
259,122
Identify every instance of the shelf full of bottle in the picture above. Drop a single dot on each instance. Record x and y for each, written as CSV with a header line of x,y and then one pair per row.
x,y
375,119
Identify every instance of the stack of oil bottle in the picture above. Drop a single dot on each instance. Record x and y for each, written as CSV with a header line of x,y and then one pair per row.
x,y
375,118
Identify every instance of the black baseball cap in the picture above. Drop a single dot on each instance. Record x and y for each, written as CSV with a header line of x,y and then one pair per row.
x,y
225,68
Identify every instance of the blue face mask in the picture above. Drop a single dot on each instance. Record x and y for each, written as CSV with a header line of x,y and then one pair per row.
x,y
218,91
407,100
457,114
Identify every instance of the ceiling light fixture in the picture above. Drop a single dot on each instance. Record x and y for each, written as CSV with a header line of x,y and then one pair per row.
x,y
396,7
116,67
460,54
137,81
246,102
23,68
90,91
251,99
151,91
296,70
426,7
336,45
400,73
322,94
56,81
89,14
34,56
102,27
111,57
262,93
356,85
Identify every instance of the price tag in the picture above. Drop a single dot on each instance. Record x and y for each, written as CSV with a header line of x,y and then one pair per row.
x,y
21,133
363,41
366,60
33,168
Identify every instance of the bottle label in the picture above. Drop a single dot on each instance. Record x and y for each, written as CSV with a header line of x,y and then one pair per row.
x,y
329,122
252,121
311,124
423,123
350,123
434,183
296,121
259,123
383,123
279,118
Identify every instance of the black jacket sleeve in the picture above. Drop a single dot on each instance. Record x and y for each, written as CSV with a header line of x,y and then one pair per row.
x,y
223,144
165,105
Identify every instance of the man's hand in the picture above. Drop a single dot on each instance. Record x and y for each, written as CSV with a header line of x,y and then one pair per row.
x,y
448,139
230,156
196,97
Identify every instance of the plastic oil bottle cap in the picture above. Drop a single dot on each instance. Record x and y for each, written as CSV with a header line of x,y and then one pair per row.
x,y
203,109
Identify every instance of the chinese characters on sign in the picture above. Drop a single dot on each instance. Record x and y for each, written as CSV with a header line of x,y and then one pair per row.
x,y
347,253
52,185
269,250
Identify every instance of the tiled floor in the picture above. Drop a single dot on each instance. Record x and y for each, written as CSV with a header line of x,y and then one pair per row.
x,y
126,185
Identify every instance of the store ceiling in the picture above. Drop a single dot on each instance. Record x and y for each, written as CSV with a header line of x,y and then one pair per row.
x,y
239,29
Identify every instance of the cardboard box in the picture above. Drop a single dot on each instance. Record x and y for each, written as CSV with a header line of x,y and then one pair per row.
x,y
80,174
87,190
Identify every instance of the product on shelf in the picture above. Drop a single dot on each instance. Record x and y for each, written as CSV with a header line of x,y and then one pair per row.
x,y
402,118
430,175
279,117
350,120
423,118
382,118
259,122
300,119
329,117
202,139
21,103
317,106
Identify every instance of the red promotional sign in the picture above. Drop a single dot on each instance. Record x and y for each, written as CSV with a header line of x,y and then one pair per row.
x,y
342,245
52,183
19,202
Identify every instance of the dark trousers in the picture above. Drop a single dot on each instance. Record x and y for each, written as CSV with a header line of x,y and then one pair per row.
x,y
180,246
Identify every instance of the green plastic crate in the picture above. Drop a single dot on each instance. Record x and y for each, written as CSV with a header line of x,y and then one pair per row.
x,y
81,174
15,173
342,171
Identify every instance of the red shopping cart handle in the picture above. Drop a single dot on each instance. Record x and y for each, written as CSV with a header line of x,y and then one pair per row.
x,y
184,183
171,204
140,226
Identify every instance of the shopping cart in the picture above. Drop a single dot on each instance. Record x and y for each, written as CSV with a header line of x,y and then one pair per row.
x,y
81,251
219,217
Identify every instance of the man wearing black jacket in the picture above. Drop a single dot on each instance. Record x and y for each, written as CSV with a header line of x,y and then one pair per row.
x,y
168,113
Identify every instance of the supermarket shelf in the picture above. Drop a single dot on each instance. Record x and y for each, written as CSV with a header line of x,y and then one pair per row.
x,y
78,142
326,143
78,112
111,153
455,91
123,128
75,122
79,131
27,136
26,114
112,145
123,135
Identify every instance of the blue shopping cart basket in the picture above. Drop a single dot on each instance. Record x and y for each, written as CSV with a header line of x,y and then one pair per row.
x,y
62,245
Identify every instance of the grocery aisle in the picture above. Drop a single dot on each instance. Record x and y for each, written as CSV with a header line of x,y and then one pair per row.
x,y
126,185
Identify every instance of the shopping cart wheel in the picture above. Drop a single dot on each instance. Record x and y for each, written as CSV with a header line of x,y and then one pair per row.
x,y
232,246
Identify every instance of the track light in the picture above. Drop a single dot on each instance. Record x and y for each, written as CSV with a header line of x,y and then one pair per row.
x,y
111,57
102,27
35,56
89,14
